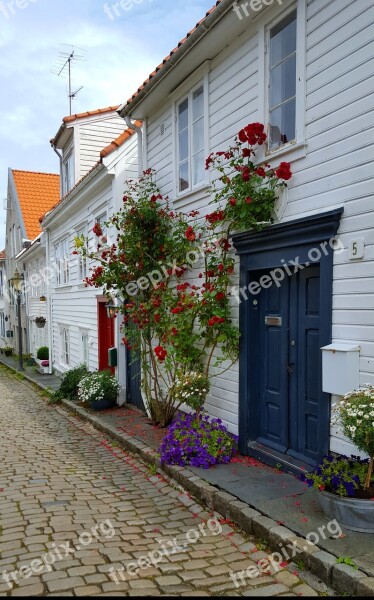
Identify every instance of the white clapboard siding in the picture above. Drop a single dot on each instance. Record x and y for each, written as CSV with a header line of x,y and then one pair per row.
x,y
337,170
94,136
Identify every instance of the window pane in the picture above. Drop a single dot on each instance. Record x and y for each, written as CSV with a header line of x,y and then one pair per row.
x,y
198,104
282,124
183,177
183,115
183,145
198,168
198,136
283,82
283,39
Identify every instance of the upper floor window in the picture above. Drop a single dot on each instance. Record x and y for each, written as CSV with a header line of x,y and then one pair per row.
x,y
101,240
68,172
62,262
82,261
191,140
282,82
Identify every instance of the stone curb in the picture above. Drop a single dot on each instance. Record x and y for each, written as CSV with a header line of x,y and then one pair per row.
x,y
322,564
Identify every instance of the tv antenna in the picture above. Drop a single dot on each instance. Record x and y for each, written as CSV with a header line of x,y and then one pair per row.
x,y
64,66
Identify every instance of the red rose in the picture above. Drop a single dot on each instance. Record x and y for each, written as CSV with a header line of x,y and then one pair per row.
x,y
157,318
246,174
248,200
232,201
261,172
284,171
246,152
190,234
97,230
220,296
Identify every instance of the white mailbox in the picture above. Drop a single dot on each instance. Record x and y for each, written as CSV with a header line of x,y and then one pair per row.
x,y
340,368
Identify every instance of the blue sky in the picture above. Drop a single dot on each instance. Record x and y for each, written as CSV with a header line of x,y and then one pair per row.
x,y
121,51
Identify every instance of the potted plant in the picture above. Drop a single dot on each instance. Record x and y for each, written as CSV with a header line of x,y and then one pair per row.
x,y
346,484
42,359
99,389
40,322
8,350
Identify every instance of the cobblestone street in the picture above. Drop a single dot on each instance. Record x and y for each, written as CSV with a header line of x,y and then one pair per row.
x,y
79,516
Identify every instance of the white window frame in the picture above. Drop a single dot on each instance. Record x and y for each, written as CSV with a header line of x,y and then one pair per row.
x,y
64,345
191,84
297,148
62,259
85,346
68,171
191,154
81,260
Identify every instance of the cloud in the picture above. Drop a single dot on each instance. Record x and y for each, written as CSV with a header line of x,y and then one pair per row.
x,y
121,52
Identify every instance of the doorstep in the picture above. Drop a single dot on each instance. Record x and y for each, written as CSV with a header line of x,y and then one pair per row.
x,y
264,502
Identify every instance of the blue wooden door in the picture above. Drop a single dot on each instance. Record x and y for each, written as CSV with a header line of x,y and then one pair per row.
x,y
134,380
289,394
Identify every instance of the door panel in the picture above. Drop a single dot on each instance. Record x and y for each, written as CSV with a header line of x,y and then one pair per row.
x,y
134,380
289,383
273,367
106,336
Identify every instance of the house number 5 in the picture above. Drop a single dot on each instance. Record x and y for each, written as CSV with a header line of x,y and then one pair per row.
x,y
356,249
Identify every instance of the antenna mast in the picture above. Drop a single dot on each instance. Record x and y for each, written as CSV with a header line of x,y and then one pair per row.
x,y
64,69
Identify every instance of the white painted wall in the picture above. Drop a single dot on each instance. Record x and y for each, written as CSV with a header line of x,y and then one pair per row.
x,y
334,169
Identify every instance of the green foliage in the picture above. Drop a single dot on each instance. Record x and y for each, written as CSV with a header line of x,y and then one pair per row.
x,y
345,560
192,388
340,475
43,353
97,387
69,383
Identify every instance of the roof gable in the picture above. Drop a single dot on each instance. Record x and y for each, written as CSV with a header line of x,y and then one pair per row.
x,y
37,193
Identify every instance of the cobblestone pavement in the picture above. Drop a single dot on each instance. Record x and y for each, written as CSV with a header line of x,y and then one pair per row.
x,y
79,516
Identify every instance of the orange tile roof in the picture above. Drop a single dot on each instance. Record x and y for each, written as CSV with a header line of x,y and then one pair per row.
x,y
88,113
167,58
119,141
37,193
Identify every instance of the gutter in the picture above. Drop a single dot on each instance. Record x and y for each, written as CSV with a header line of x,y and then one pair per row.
x,y
87,178
201,30
61,163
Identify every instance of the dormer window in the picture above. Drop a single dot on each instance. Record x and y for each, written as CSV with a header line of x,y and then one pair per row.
x,y
68,172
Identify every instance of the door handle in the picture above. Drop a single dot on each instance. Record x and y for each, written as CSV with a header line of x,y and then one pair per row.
x,y
290,368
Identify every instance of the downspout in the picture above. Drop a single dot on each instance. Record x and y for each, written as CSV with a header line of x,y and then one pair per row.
x,y
61,163
139,131
49,301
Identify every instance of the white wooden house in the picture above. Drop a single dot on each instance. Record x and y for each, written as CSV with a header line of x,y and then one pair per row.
x,y
3,313
81,330
305,70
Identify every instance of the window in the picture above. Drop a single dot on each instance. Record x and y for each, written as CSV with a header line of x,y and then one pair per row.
x,y
102,241
64,346
62,262
2,325
68,172
82,261
85,348
282,82
191,140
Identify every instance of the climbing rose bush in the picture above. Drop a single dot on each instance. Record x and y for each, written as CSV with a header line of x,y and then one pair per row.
x,y
198,442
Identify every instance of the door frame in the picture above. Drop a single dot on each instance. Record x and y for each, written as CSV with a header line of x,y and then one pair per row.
x,y
266,250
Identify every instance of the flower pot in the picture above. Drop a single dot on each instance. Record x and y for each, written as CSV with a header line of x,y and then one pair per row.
x,y
8,352
352,513
39,324
102,404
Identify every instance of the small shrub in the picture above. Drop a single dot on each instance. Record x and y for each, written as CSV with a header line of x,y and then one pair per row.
x,y
339,475
70,381
192,388
43,353
198,442
98,387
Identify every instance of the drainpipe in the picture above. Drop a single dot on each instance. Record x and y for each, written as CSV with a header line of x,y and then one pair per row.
x,y
139,131
61,172
48,284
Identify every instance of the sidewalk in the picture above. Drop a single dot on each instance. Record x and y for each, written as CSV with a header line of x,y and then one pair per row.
x,y
273,505
51,382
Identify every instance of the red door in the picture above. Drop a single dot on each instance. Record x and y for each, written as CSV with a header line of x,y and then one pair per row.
x,y
106,336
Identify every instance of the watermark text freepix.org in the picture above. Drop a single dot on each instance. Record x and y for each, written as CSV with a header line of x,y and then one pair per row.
x,y
245,8
166,549
59,552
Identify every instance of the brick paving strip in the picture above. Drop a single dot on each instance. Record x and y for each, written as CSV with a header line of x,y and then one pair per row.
x,y
60,477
